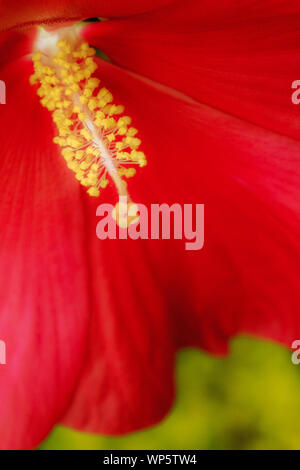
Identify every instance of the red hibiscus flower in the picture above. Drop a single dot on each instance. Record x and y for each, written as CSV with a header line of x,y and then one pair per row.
x,y
92,327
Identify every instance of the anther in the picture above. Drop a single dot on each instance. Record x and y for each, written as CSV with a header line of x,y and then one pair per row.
x,y
92,131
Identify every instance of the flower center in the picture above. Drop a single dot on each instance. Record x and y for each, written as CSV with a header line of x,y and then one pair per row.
x,y
96,138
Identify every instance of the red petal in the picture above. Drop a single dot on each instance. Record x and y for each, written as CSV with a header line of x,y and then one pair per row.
x,y
43,290
14,45
31,12
237,57
151,296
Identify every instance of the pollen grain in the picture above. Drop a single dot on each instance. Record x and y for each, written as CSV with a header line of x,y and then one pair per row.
x,y
97,140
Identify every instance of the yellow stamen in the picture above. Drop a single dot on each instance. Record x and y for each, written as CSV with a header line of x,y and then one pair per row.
x,y
96,142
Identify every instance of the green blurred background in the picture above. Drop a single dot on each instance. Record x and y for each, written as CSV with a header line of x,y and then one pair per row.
x,y
250,400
